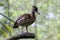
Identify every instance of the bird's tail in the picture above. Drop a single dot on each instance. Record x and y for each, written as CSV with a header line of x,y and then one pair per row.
x,y
16,25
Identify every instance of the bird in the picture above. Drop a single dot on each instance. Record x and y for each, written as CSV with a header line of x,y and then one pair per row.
x,y
26,19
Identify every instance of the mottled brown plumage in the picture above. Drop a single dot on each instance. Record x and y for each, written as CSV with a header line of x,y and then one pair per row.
x,y
26,19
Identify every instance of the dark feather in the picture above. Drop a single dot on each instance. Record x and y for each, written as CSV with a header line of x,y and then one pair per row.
x,y
15,25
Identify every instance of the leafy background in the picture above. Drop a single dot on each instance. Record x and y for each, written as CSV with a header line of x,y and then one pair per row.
x,y
47,23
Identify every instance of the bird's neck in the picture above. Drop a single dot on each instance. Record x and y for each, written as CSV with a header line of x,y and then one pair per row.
x,y
33,16
33,13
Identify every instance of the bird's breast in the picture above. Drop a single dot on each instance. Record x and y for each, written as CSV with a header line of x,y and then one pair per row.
x,y
26,20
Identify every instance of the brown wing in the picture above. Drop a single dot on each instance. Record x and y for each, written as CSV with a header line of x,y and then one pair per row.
x,y
22,20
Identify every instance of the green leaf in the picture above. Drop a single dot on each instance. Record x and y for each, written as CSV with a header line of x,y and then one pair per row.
x,y
1,3
4,33
7,27
7,17
10,29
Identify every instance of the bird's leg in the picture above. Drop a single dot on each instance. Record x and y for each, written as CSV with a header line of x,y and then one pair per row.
x,y
22,29
27,29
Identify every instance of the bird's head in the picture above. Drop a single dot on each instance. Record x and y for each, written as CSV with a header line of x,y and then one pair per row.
x,y
35,9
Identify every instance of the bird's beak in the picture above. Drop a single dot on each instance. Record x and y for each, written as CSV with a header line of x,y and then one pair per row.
x,y
38,12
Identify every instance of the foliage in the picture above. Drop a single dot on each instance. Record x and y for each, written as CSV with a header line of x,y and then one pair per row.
x,y
48,23
4,33
7,27
6,17
1,4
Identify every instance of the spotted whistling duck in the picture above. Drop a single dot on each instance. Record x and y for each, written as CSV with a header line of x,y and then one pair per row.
x,y
26,19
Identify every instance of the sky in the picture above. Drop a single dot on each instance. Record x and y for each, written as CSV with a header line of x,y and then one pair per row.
x,y
1,11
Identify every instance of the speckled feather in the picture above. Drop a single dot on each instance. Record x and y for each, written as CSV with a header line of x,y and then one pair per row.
x,y
24,20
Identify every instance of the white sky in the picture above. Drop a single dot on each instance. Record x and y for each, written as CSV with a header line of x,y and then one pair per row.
x,y
50,15
1,11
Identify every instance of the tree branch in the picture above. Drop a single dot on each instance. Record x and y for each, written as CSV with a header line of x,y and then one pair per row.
x,y
21,36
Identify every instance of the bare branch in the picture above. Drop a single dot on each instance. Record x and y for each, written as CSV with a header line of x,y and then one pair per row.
x,y
22,36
